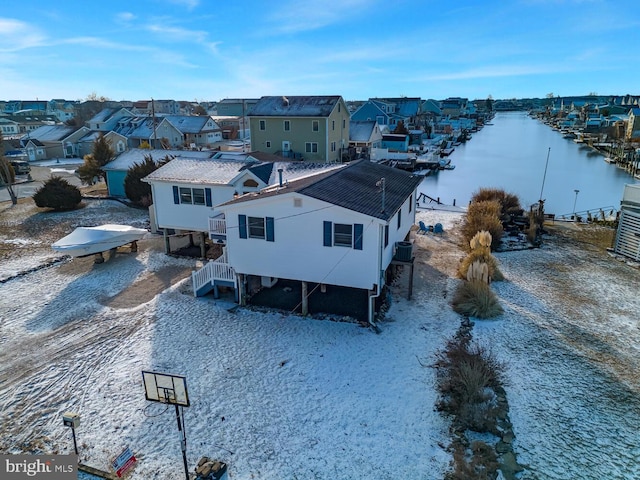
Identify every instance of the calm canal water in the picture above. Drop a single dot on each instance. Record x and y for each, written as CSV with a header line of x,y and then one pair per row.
x,y
511,154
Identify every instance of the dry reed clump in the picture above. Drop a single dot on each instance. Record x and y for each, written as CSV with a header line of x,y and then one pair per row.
x,y
469,374
509,203
480,252
495,274
483,216
476,299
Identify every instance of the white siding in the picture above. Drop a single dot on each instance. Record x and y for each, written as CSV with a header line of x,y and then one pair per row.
x,y
186,217
298,252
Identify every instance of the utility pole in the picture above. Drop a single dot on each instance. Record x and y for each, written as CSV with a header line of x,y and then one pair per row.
x,y
155,133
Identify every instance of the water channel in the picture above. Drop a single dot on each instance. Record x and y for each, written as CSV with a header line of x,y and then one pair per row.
x,y
512,153
573,380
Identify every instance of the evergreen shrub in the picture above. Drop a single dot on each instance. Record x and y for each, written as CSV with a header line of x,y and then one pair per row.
x,y
58,194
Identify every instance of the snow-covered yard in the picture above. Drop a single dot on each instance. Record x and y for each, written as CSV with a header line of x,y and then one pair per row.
x,y
302,398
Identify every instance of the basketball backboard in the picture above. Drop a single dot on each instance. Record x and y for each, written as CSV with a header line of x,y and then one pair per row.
x,y
165,388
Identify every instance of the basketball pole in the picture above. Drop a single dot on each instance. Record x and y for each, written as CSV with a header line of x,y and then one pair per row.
x,y
183,442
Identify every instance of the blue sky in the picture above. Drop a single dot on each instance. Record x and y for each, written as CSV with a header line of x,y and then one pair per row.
x,y
210,50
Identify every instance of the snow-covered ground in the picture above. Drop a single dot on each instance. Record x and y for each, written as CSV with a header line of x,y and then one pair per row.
x,y
302,398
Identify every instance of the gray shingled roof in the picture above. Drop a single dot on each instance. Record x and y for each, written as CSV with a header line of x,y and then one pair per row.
x,y
103,115
352,187
189,123
361,131
128,159
199,171
51,133
223,170
303,106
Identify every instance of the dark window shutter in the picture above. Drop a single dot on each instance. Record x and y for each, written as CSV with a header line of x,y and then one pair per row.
x,y
410,202
386,235
327,234
358,230
176,195
269,226
242,226
207,195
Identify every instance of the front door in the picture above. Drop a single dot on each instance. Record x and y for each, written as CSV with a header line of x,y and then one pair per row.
x,y
286,146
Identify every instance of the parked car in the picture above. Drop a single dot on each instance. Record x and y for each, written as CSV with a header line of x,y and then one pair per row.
x,y
20,167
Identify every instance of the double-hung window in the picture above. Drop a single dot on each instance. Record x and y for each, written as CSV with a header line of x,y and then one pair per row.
x,y
256,227
315,125
263,125
311,147
343,235
192,196
287,125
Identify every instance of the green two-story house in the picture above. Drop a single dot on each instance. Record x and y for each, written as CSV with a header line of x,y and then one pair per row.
x,y
309,128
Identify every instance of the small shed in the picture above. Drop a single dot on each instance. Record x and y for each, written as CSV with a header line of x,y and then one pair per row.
x,y
628,234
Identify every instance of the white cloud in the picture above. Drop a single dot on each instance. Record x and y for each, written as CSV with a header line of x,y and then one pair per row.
x,y
177,33
16,35
295,16
496,71
97,42
190,4
125,17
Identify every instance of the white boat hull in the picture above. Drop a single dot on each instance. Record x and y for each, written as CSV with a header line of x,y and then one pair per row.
x,y
85,241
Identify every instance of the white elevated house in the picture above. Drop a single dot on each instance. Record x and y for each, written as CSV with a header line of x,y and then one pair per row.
x,y
187,189
342,227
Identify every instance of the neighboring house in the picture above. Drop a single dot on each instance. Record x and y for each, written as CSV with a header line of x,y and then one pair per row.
x,y
340,228
117,142
453,106
628,235
194,130
172,130
187,190
19,124
235,107
391,111
63,110
107,119
148,107
398,142
310,128
138,130
53,141
363,136
372,110
9,127
633,127
232,127
38,107
117,169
